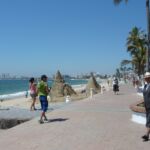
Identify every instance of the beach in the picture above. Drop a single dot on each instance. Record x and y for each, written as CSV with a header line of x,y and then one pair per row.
x,y
23,102
20,100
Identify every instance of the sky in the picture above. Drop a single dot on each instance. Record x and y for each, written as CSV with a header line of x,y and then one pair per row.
x,y
73,36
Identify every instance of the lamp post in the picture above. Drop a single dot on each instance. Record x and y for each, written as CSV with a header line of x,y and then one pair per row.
x,y
148,31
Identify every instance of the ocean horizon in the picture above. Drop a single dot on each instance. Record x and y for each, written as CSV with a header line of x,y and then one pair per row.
x,y
18,87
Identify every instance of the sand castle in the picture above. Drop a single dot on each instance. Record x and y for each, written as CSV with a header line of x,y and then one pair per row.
x,y
93,85
60,88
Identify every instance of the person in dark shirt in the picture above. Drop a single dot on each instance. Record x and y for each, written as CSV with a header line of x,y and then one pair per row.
x,y
115,86
146,95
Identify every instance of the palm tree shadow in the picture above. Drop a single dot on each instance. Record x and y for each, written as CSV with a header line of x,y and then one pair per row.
x,y
57,120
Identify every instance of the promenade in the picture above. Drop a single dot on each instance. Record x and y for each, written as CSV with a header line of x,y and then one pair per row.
x,y
101,123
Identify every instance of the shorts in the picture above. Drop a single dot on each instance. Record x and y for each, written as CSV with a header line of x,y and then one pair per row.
x,y
44,103
33,95
148,119
115,88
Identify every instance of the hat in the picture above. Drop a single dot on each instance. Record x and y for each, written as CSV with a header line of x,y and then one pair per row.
x,y
147,75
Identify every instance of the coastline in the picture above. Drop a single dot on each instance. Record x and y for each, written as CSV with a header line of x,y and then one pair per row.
x,y
26,93
24,102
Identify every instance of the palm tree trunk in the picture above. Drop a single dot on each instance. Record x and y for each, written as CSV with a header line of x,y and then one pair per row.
x,y
148,30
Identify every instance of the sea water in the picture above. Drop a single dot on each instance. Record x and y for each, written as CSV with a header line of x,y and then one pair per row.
x,y
17,88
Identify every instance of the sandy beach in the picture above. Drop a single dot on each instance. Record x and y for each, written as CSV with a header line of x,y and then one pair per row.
x,y
23,102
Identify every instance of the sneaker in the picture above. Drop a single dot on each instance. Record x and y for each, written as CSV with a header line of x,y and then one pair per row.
x,y
145,137
45,119
41,121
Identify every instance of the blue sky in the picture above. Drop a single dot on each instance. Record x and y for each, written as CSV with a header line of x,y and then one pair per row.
x,y
74,36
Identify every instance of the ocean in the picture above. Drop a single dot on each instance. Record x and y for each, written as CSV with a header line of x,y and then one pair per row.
x,y
16,88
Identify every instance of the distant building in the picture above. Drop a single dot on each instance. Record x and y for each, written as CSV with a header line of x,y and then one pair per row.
x,y
5,76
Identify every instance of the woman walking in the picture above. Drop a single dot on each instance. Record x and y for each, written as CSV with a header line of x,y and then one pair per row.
x,y
33,93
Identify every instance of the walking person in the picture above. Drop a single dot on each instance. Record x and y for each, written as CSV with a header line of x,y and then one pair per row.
x,y
43,91
33,93
115,86
146,95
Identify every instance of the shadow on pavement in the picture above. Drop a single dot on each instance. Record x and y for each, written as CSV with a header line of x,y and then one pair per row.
x,y
57,120
120,94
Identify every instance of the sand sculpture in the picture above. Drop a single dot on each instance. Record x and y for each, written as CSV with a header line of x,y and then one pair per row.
x,y
60,88
92,84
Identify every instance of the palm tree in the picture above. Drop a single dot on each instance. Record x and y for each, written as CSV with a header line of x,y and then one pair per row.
x,y
137,47
118,74
136,38
148,30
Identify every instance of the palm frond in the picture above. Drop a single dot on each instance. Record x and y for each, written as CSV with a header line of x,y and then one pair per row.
x,y
116,2
125,62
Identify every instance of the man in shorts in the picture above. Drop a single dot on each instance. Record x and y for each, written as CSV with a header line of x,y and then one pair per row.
x,y
43,91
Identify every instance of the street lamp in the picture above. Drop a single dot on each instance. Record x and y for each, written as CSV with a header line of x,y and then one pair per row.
x,y
148,30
